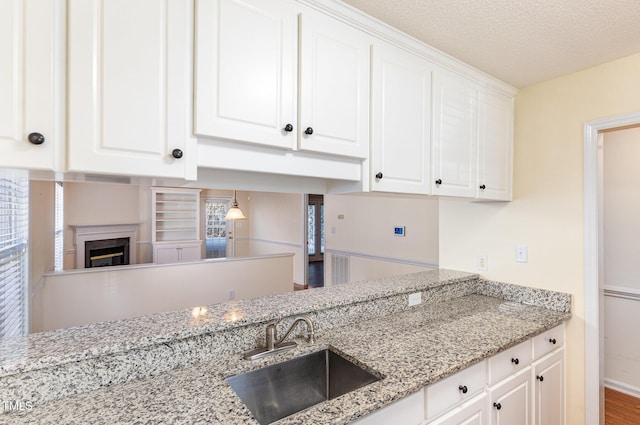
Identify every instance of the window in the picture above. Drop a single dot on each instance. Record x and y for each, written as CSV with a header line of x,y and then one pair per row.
x,y
216,227
14,230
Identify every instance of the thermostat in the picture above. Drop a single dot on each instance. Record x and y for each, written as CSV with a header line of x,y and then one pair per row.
x,y
398,230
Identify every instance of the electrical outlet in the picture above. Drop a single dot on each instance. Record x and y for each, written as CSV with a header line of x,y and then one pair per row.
x,y
232,294
483,263
522,254
415,298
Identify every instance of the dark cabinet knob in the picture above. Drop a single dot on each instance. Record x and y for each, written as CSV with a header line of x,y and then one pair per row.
x,y
553,341
498,406
515,361
438,181
463,388
482,187
288,128
309,131
379,176
177,153
36,138
540,378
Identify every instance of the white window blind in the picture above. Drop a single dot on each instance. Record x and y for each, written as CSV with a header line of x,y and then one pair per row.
x,y
14,228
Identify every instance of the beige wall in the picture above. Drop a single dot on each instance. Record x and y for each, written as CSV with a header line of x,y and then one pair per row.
x,y
276,222
547,211
367,231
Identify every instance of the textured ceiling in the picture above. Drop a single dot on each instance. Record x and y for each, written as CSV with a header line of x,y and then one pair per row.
x,y
521,42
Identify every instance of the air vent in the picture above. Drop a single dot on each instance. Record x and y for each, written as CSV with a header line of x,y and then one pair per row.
x,y
339,269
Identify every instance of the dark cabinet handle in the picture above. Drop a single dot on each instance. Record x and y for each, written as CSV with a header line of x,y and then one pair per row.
x,y
288,128
540,378
36,138
177,153
438,181
463,388
482,187
515,361
553,341
498,406
309,131
379,176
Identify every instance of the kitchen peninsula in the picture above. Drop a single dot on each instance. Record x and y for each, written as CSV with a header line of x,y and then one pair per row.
x,y
170,367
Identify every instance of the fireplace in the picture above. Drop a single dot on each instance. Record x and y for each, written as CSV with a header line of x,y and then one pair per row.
x,y
105,245
106,252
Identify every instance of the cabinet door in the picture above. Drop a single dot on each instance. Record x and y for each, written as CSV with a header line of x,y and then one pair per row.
x,y
31,82
495,130
190,252
334,87
401,121
163,254
510,400
246,71
548,391
473,412
455,136
130,87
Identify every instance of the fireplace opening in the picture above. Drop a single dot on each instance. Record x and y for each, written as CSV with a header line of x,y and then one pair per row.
x,y
106,252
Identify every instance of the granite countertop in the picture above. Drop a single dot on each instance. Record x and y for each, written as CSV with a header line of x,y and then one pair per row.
x,y
410,349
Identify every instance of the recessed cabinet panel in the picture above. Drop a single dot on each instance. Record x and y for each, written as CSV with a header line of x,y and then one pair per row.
x,y
401,121
495,113
455,127
30,85
246,71
334,87
130,87
510,400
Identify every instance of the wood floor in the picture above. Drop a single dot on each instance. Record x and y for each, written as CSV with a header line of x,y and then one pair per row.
x,y
620,408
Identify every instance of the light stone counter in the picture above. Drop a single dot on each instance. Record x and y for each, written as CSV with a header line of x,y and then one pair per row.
x,y
170,368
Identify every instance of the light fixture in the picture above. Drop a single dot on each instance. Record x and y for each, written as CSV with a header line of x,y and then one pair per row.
x,y
234,213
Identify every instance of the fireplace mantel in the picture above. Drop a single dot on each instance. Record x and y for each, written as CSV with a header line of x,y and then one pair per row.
x,y
92,232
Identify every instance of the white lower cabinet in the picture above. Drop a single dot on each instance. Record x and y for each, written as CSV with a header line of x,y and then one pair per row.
x,y
177,252
510,400
406,411
472,412
548,389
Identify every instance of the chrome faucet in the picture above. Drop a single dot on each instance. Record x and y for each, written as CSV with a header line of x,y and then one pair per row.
x,y
274,345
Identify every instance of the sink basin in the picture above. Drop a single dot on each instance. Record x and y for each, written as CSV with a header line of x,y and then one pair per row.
x,y
282,389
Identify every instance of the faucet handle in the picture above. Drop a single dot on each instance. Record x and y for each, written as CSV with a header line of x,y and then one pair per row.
x,y
272,335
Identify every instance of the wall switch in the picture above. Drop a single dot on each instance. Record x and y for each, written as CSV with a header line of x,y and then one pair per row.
x,y
232,294
415,298
522,254
483,263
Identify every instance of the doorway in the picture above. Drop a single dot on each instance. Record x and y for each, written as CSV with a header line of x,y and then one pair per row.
x,y
218,236
315,241
594,263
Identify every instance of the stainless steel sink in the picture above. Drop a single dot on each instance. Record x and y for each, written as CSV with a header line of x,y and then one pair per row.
x,y
280,390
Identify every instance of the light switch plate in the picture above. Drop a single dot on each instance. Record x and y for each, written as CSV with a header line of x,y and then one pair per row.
x,y
522,254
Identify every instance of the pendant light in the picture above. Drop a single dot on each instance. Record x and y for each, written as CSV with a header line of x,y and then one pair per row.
x,y
234,213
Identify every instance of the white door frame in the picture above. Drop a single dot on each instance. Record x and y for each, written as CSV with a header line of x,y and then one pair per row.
x,y
593,264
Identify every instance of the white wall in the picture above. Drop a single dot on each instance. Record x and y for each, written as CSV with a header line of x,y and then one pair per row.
x,y
621,215
547,211
83,297
365,233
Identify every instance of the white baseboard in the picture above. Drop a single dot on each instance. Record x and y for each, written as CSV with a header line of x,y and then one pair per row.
x,y
622,387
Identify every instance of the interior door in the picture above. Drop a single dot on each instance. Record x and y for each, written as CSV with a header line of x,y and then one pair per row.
x,y
315,228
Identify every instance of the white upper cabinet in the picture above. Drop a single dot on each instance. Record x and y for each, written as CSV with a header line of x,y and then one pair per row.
x,y
472,139
246,71
334,87
495,158
400,121
31,83
130,88
454,144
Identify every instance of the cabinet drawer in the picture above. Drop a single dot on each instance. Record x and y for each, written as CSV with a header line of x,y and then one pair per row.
x,y
465,384
548,341
509,361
